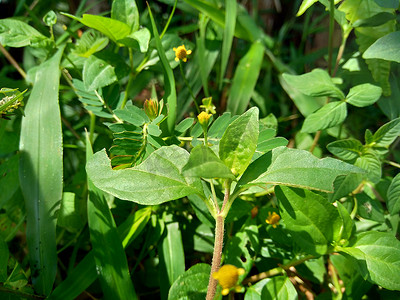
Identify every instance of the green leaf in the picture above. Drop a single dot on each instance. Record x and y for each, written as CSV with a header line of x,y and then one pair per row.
x,y
169,80
371,163
393,195
363,95
297,168
369,208
349,149
132,114
114,29
254,291
316,83
239,142
376,20
203,162
41,171
279,287
138,40
172,257
158,179
387,133
192,284
330,115
50,18
306,4
126,11
71,213
347,230
245,79
16,33
386,47
97,73
229,30
9,182
314,223
109,255
90,42
377,256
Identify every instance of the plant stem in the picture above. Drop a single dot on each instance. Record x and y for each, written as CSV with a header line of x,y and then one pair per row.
x,y
12,61
315,141
189,88
331,29
335,280
218,244
216,260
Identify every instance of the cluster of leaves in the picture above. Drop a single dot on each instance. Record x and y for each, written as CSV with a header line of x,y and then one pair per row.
x,y
104,223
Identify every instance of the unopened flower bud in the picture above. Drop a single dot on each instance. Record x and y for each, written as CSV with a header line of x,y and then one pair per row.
x,y
204,118
151,108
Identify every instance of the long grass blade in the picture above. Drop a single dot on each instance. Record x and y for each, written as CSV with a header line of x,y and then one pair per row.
x,y
41,172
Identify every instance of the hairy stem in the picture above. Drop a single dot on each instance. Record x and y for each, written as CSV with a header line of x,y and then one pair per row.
x,y
12,61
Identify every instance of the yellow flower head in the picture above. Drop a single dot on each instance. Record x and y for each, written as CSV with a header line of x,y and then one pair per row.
x,y
227,277
273,219
181,53
203,118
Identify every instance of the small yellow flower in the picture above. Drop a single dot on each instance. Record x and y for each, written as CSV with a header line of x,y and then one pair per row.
x,y
181,53
273,219
227,277
203,118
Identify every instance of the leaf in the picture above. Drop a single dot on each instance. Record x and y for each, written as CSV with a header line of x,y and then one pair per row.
x,y
393,195
306,4
126,11
363,95
169,80
239,142
9,182
314,223
90,42
111,262
158,179
371,163
192,284
348,227
376,20
229,30
377,256
71,213
114,29
132,114
349,149
245,79
97,73
16,33
386,47
172,257
316,83
297,168
279,287
41,171
330,115
138,40
254,291
387,133
204,163
4,255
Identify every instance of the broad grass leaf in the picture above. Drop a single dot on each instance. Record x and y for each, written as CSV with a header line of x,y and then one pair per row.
x,y
158,179
239,141
377,255
192,284
279,287
41,172
386,47
312,220
172,257
245,79
330,115
297,168
349,149
316,83
203,162
363,95
393,195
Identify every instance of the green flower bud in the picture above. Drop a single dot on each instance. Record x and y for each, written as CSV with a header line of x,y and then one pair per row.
x,y
151,108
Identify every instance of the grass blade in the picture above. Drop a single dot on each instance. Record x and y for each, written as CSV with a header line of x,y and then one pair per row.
x,y
170,91
41,172
229,30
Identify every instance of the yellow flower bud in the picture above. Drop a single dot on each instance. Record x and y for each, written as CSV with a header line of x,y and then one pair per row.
x,y
181,53
227,277
203,118
151,108
273,219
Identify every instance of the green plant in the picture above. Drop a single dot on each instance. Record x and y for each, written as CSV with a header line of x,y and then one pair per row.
x,y
193,174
